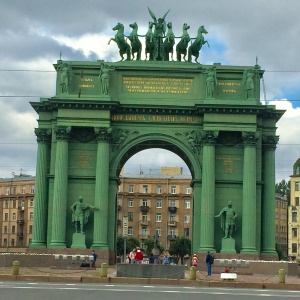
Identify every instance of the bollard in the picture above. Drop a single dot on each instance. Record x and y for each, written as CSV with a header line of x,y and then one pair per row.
x,y
281,276
16,268
193,271
103,270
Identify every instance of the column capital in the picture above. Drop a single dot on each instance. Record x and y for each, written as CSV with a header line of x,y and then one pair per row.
x,y
208,137
270,141
250,138
43,134
62,132
103,134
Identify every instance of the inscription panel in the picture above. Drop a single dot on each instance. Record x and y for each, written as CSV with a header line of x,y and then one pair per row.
x,y
156,118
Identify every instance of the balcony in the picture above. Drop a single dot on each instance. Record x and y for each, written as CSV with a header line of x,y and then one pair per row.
x,y
143,236
172,209
172,223
144,222
20,221
144,208
171,237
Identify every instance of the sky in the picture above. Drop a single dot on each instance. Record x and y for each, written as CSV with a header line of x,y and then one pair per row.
x,y
33,33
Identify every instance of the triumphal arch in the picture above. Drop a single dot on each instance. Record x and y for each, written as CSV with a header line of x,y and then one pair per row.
x,y
104,112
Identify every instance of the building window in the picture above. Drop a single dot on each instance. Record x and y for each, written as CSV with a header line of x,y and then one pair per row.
x,y
145,188
186,231
32,189
294,232
144,217
5,242
5,229
187,204
294,216
30,229
186,218
14,204
145,202
172,232
173,189
130,230
13,242
23,189
297,184
31,216
14,216
158,231
31,203
6,204
158,217
187,189
130,202
173,203
144,231
131,188
14,190
159,189
297,201
6,217
7,191
23,204
172,217
158,203
130,216
294,248
13,229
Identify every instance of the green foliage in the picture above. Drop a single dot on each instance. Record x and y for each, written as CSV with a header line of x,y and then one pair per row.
x,y
130,244
279,251
180,248
149,245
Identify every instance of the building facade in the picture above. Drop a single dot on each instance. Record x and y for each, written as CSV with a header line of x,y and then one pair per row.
x,y
293,213
156,205
16,212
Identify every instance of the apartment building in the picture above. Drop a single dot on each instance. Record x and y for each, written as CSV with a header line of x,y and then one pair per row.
x,y
156,205
293,213
16,212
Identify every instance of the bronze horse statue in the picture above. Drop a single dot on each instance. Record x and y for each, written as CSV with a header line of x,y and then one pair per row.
x,y
169,43
136,45
181,47
124,47
150,42
195,48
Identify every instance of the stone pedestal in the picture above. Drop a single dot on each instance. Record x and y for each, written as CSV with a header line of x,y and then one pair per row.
x,y
228,245
78,241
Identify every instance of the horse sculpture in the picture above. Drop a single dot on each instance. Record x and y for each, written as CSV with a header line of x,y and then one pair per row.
x,y
181,47
136,45
124,47
150,42
169,43
195,48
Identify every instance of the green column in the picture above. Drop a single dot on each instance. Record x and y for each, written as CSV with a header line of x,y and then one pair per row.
x,y
268,205
101,189
60,193
208,192
112,212
39,234
196,185
249,194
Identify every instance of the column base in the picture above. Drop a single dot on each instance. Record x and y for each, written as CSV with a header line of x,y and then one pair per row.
x,y
99,246
57,244
269,252
37,244
249,251
206,248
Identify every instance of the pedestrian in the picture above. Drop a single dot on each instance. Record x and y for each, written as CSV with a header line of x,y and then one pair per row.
x,y
166,259
138,256
132,256
94,259
151,259
195,260
209,261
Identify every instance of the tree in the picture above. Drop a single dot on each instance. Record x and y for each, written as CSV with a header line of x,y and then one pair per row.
x,y
180,248
149,245
283,189
279,251
130,244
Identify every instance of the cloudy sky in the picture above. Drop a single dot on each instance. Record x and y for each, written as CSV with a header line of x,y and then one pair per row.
x,y
32,34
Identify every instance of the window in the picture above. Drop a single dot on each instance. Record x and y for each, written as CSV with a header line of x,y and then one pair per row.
x,y
145,188
31,203
186,231
158,217
172,232
13,229
32,189
145,202
144,217
130,202
187,189
159,189
158,231
23,189
130,216
14,216
298,170
130,230
22,204
294,232
6,217
12,242
173,204
158,203
297,201
294,248
7,191
14,190
31,216
6,204
173,189
30,229
14,203
131,188
172,217
297,184
186,218
187,204
5,229
144,231
294,216
5,242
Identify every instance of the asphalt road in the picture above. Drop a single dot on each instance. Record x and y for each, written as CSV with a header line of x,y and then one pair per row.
x,y
64,291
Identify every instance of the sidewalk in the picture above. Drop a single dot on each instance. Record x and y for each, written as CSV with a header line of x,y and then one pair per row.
x,y
93,276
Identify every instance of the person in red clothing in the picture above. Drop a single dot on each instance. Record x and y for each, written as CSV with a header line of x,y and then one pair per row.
x,y
138,256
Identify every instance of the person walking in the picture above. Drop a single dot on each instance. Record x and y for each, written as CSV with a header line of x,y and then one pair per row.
x,y
94,259
209,262
132,256
138,256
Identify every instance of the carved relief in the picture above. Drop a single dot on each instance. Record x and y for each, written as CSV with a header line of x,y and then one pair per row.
x,y
103,134
209,137
43,135
62,132
250,138
119,136
270,141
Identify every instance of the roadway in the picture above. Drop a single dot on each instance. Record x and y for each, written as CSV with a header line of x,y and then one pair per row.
x,y
76,291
